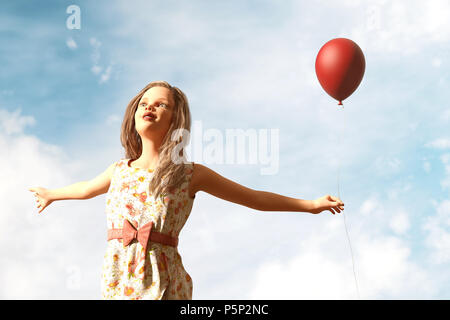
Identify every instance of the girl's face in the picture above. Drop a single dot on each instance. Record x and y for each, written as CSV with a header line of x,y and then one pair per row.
x,y
157,101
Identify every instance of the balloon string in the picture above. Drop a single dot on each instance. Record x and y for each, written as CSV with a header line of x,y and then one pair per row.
x,y
345,223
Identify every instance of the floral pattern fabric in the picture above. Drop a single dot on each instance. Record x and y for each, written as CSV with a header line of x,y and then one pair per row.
x,y
125,272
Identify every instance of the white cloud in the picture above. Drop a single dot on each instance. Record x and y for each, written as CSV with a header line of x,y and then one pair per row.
x,y
40,248
445,158
322,269
399,27
441,143
369,206
95,43
96,69
438,228
299,278
387,165
105,76
11,123
395,189
387,270
71,44
399,222
96,57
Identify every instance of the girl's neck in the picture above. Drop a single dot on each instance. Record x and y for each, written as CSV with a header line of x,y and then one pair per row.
x,y
151,142
145,163
149,156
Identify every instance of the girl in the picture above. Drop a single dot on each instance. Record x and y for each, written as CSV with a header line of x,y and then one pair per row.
x,y
150,194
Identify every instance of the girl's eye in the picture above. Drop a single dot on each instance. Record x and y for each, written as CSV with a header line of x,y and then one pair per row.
x,y
143,104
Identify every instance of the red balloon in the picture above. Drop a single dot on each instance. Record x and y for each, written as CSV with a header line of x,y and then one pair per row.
x,y
340,66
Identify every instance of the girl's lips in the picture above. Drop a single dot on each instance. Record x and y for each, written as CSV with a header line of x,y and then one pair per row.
x,y
149,113
148,118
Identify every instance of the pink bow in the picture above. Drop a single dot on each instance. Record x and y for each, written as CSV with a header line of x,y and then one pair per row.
x,y
129,233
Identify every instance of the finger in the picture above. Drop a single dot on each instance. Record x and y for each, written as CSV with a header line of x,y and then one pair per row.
x,y
331,210
336,199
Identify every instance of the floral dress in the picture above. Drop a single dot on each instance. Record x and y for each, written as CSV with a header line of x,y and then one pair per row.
x,y
126,274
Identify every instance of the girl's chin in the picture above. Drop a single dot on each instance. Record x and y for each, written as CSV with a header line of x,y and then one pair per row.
x,y
149,133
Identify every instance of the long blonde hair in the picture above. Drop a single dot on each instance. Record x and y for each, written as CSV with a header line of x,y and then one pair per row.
x,y
167,175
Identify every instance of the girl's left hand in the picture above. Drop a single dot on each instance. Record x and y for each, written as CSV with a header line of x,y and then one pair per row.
x,y
327,202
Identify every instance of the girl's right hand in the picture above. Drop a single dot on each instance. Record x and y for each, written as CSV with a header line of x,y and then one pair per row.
x,y
42,197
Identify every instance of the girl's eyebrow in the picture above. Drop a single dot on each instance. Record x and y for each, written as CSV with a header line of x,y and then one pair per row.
x,y
159,99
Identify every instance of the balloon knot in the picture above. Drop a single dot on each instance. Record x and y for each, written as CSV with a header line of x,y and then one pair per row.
x,y
340,103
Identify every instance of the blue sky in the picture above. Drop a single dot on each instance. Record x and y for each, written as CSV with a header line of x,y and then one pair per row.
x,y
242,64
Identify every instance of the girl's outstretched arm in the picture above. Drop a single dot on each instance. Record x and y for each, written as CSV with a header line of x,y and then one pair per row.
x,y
45,197
207,180
100,184
80,190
